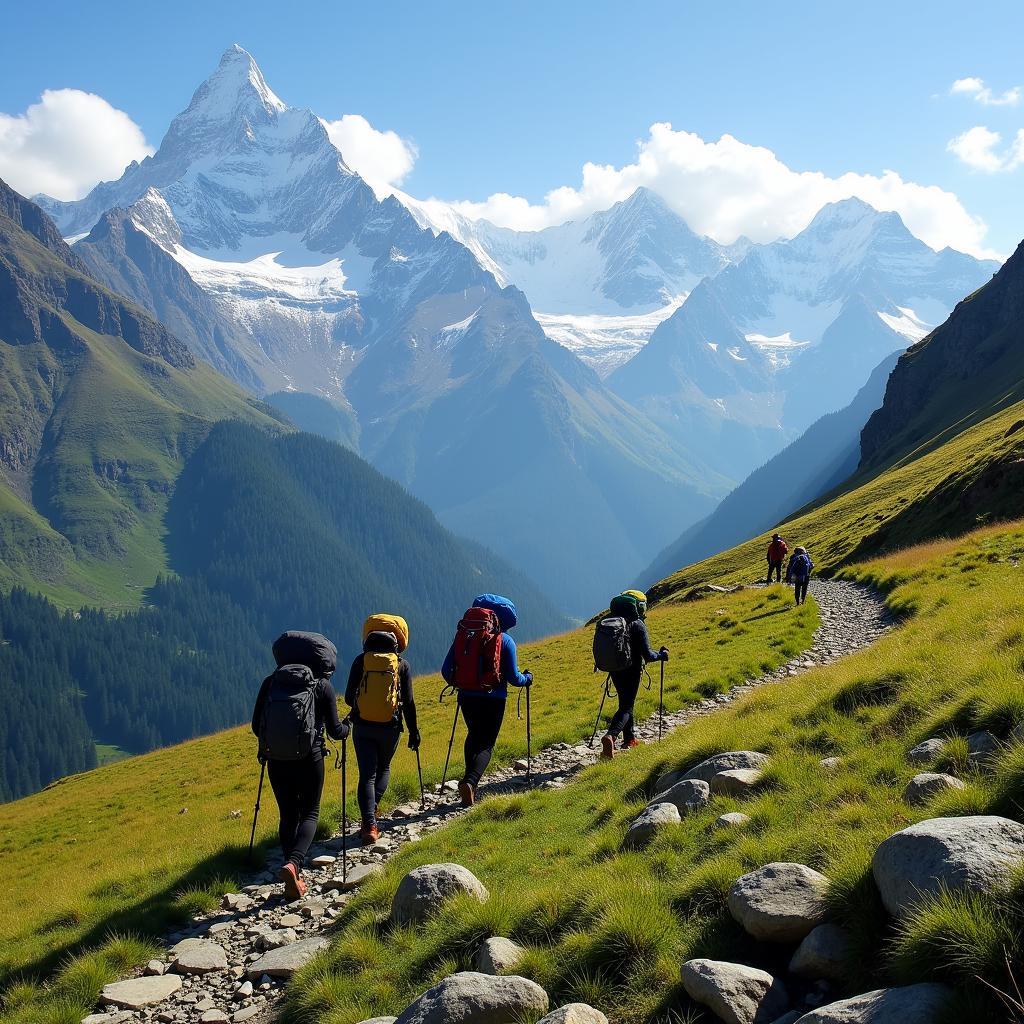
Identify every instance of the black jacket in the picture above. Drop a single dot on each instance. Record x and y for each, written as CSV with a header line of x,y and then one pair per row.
x,y
640,645
407,707
327,718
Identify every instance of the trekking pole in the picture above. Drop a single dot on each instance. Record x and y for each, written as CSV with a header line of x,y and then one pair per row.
x,y
419,772
529,743
597,721
256,810
661,703
344,811
451,741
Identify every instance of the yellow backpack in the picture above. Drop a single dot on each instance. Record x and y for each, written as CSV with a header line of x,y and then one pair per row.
x,y
379,695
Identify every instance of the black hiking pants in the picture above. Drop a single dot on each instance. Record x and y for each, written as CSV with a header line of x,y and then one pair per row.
x,y
375,747
627,685
800,590
775,567
297,786
483,716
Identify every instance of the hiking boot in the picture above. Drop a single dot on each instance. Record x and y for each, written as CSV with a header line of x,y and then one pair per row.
x,y
607,747
369,833
634,742
467,794
294,886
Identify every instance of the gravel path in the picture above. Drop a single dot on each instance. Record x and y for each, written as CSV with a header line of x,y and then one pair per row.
x,y
222,975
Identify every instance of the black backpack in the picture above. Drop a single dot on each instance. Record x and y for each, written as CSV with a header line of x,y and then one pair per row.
x,y
288,729
313,650
612,649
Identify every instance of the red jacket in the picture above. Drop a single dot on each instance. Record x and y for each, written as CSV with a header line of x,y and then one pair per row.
x,y
777,550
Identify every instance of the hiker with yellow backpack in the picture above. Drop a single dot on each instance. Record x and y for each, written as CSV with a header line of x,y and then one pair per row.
x,y
379,692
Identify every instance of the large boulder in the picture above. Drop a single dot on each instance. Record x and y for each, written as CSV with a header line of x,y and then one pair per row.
x,y
975,853
779,902
926,752
422,891
649,822
498,956
735,781
574,1013
824,953
708,769
284,961
689,796
136,993
912,1004
925,785
735,993
472,998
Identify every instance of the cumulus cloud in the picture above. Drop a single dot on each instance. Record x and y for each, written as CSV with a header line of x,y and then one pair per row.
x,y
66,143
729,188
981,93
383,159
981,148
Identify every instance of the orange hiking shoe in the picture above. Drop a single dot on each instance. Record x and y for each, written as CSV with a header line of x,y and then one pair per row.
x,y
294,886
466,794
607,747
634,742
369,833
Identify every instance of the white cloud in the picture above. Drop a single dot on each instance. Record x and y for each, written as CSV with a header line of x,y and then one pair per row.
x,y
66,143
729,188
979,147
383,159
981,93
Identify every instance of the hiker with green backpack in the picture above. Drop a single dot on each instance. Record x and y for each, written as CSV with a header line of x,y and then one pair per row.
x,y
379,692
295,706
622,647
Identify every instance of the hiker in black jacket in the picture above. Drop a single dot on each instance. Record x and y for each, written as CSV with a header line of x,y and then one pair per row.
x,y
371,700
627,682
298,784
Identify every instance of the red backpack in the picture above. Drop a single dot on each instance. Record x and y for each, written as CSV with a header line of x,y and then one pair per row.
x,y
477,651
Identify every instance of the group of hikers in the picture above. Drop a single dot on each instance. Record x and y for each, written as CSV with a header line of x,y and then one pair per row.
x,y
297,709
798,571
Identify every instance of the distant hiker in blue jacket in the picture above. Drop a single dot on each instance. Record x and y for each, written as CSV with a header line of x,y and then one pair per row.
x,y
798,572
481,664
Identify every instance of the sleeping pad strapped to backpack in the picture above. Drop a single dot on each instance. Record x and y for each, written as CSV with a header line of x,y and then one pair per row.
x,y
379,696
288,725
313,650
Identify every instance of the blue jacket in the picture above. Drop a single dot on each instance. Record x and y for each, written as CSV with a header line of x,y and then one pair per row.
x,y
799,568
510,674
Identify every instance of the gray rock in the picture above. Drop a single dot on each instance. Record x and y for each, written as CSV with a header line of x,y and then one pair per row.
x,y
735,993
284,961
379,1020
290,921
648,823
198,956
912,1004
689,795
830,764
779,902
117,1017
244,990
824,953
925,785
975,853
574,1013
667,780
982,747
735,781
926,752
472,998
155,967
733,819
354,877
274,938
424,889
214,1016
245,1013
139,992
497,956
708,769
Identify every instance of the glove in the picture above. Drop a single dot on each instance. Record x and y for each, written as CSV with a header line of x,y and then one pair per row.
x,y
528,676
663,654
346,728
414,740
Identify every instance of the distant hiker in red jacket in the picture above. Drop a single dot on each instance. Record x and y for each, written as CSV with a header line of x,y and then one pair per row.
x,y
776,556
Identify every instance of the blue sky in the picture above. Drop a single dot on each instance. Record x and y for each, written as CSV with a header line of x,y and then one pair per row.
x,y
516,98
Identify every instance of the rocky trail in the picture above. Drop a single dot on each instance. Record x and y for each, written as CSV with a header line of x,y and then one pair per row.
x,y
232,965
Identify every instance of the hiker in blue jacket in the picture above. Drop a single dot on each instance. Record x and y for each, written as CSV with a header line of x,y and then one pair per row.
x,y
798,572
483,711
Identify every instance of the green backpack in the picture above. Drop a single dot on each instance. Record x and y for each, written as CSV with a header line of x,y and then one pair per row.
x,y
628,607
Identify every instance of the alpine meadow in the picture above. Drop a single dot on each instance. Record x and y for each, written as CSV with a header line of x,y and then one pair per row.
x,y
469,558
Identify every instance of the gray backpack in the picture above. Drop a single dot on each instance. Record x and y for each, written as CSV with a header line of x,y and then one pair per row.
x,y
612,650
288,725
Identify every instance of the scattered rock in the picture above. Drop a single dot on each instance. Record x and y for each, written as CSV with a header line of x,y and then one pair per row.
x,y
667,780
139,992
379,1020
117,1017
244,990
472,998
824,953
198,956
688,795
274,938
354,877
926,752
424,889
324,860
830,764
236,901
648,823
245,1013
735,993
214,1016
708,769
290,921
155,967
284,961
735,781
976,853
779,902
923,786
574,1013
498,956
733,819
913,1004
982,747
